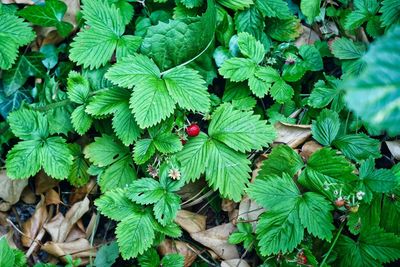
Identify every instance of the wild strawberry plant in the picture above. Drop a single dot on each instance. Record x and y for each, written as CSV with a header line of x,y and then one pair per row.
x,y
150,96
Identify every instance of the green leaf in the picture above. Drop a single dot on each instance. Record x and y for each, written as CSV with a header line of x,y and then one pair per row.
x,y
284,29
7,257
118,175
310,9
107,255
78,175
193,157
238,69
14,32
236,4
242,19
48,15
56,157
358,146
151,102
81,121
127,45
145,191
192,3
28,124
78,88
104,151
135,234
144,150
179,41
166,208
273,165
281,91
125,125
390,12
24,159
312,57
114,204
315,215
267,74
326,127
241,131
274,8
251,47
344,48
108,101
149,258
373,248
188,89
258,86
173,260
227,170
325,93
168,143
373,96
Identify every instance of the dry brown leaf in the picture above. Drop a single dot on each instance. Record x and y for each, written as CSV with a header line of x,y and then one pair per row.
x,y
191,222
10,190
80,193
59,227
292,134
216,239
309,148
394,148
73,7
52,197
308,36
75,233
77,249
192,190
33,225
20,2
249,211
43,182
235,263
228,205
28,196
169,246
233,216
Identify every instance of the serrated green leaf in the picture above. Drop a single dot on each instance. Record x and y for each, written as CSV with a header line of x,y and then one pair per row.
x,y
312,58
326,127
114,204
173,260
104,151
238,69
191,3
251,47
258,86
344,48
56,157
108,101
78,88
81,121
166,208
310,9
390,12
252,14
283,30
241,131
107,255
7,257
24,159
118,175
236,4
28,124
145,191
358,146
125,125
167,143
273,8
127,45
78,175
143,151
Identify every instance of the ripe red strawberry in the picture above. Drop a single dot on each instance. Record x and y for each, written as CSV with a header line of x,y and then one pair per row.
x,y
339,202
302,259
193,130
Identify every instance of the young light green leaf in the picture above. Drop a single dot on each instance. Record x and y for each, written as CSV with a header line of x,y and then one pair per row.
x,y
81,121
326,127
78,88
251,47
311,9
238,69
114,204
281,91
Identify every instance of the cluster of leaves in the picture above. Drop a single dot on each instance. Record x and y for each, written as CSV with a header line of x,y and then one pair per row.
x,y
113,102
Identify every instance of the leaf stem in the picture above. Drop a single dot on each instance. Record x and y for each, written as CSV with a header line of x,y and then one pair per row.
x,y
50,106
333,244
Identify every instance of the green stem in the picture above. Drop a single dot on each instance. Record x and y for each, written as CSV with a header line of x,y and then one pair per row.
x,y
50,106
333,244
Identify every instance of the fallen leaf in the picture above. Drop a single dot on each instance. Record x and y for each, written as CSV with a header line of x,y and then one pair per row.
x,y
192,190
10,190
43,182
59,227
394,148
73,7
292,135
81,192
28,196
308,36
75,233
34,224
233,216
169,246
235,263
309,148
191,222
52,197
228,205
77,249
249,211
216,239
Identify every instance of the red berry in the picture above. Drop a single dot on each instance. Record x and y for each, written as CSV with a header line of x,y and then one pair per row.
x,y
193,130
302,259
339,202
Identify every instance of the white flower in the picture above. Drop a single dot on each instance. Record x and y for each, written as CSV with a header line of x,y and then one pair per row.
x,y
360,195
174,174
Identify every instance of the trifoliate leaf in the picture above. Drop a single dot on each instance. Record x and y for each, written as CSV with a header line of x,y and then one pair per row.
x,y
48,15
241,131
250,47
151,102
56,158
104,151
273,8
281,91
236,4
24,159
326,127
135,234
273,165
310,9
358,146
325,93
193,157
143,151
14,32
114,204
373,95
188,89
238,69
227,170
179,41
78,88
